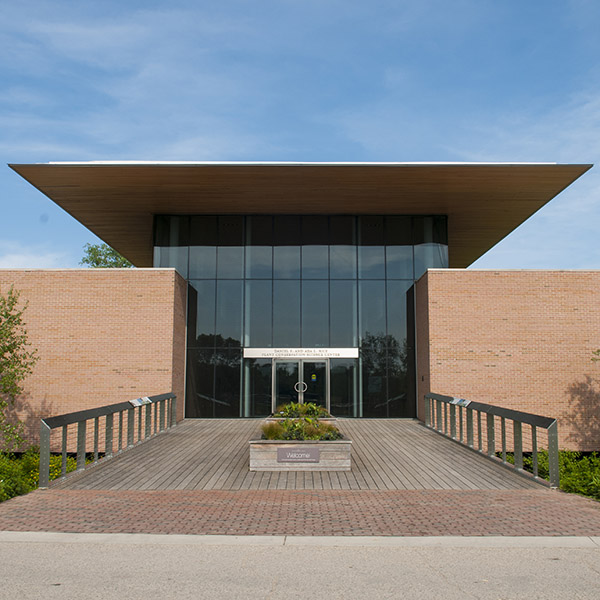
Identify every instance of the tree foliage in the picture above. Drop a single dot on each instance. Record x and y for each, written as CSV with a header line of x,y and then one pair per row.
x,y
16,362
102,256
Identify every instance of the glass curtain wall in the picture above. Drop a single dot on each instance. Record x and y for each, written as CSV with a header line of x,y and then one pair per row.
x,y
308,281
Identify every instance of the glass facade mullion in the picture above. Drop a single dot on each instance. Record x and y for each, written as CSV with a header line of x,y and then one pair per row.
x,y
290,281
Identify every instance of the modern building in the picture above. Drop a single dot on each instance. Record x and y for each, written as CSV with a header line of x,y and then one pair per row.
x,y
338,283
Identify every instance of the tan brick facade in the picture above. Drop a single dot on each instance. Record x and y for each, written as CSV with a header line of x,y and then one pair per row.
x,y
519,339
102,335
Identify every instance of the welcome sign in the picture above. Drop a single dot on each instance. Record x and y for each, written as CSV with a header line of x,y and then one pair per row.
x,y
298,455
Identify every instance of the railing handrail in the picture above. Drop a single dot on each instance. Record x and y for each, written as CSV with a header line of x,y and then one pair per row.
x,y
498,411
101,411
164,407
438,420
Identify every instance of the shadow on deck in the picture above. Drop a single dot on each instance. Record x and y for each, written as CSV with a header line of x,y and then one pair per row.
x,y
390,454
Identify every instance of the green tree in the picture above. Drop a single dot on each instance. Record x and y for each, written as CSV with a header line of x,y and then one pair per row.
x,y
16,362
102,256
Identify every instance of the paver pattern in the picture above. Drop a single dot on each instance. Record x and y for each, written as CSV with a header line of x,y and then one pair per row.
x,y
302,512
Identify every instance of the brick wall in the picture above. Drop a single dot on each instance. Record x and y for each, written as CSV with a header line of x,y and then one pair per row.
x,y
519,339
102,335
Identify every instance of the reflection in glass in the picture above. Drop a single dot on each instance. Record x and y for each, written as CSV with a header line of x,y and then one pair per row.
x,y
342,262
398,404
286,378
259,262
315,316
231,230
314,375
203,262
372,308
286,262
399,262
201,313
259,295
371,262
396,308
300,281
343,314
430,256
374,384
286,314
315,262
228,364
257,387
199,383
343,381
230,262
172,256
229,313
171,231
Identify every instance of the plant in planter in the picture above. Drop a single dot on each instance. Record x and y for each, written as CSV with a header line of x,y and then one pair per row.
x,y
295,410
302,443
305,428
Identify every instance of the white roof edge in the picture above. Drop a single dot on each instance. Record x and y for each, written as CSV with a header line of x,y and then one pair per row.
x,y
285,163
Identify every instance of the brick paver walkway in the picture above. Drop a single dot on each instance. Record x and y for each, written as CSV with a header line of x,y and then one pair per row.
x,y
305,512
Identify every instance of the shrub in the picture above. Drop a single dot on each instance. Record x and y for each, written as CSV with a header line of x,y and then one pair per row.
x,y
579,473
295,410
20,474
300,429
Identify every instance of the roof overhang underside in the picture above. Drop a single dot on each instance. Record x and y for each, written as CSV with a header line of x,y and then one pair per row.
x,y
484,202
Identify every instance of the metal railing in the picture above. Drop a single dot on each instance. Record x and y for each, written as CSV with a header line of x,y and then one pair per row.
x,y
152,414
441,414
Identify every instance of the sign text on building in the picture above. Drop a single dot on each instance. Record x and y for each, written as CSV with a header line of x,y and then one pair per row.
x,y
300,352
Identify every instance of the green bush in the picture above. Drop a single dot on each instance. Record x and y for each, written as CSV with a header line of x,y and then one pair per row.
x,y
295,410
306,428
20,474
579,473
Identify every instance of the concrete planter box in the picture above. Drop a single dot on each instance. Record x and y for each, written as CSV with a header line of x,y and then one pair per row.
x,y
294,455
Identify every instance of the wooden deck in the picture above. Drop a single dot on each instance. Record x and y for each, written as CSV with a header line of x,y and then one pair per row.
x,y
390,454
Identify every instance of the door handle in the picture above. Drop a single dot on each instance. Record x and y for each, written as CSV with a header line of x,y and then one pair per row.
x,y
298,386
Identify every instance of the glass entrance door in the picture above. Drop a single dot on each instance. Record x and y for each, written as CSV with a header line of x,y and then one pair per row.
x,y
301,380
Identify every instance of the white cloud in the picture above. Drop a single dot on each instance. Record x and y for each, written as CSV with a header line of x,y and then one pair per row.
x,y
14,255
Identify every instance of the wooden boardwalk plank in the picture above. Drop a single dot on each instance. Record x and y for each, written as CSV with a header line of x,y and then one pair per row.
x,y
213,454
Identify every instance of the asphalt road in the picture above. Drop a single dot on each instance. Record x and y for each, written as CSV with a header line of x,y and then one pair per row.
x,y
122,566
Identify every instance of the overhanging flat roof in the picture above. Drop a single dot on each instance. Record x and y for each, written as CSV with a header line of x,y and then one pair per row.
x,y
484,201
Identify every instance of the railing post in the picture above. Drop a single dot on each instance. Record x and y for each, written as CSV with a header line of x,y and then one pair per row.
x,y
453,421
491,435
553,463
96,434
479,432
518,436
162,415
63,467
503,430
173,411
460,423
120,431
469,427
108,436
130,413
44,479
148,431
438,416
81,427
534,450
427,413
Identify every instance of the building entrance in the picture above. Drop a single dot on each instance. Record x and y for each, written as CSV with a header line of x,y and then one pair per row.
x,y
300,380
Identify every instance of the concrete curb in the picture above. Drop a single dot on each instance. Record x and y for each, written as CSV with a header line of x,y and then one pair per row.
x,y
330,541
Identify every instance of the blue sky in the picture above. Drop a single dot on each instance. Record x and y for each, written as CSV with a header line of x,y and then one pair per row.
x,y
306,80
